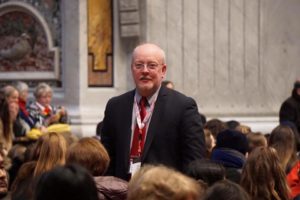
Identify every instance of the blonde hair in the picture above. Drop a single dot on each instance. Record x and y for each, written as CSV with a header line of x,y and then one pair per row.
x,y
243,129
50,151
282,139
162,183
9,92
41,89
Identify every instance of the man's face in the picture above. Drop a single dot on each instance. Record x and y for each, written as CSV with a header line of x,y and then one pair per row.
x,y
3,178
298,91
148,69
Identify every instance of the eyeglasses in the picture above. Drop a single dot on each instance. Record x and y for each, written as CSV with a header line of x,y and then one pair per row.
x,y
149,66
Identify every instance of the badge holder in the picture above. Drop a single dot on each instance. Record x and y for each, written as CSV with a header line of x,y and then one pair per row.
x,y
135,165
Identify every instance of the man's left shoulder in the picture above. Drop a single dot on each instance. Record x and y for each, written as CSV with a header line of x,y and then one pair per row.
x,y
178,96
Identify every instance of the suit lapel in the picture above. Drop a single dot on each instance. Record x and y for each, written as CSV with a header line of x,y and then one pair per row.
x,y
127,118
156,119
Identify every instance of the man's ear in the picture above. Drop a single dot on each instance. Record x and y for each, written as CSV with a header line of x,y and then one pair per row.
x,y
164,70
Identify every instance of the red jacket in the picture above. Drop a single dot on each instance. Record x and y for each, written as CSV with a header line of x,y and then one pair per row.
x,y
293,180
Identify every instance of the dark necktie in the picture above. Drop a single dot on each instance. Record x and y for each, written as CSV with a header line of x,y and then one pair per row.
x,y
139,135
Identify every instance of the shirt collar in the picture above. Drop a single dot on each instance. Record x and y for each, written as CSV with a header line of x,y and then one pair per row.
x,y
150,99
42,107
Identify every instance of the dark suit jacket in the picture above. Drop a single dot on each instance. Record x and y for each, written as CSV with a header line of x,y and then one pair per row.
x,y
174,138
290,111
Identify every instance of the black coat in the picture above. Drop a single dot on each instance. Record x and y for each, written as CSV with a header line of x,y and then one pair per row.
x,y
290,110
174,137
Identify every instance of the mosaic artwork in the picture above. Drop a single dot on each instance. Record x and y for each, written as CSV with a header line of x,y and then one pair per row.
x,y
100,51
23,44
30,41
99,32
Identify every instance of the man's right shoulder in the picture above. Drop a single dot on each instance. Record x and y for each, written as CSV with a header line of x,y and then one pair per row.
x,y
290,102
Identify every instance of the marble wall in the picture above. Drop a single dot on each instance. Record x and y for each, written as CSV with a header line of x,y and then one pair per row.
x,y
237,58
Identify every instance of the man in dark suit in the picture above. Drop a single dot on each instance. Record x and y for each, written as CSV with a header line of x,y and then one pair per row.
x,y
151,124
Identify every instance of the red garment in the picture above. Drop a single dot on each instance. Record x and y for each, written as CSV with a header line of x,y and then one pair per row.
x,y
139,137
22,106
293,180
47,110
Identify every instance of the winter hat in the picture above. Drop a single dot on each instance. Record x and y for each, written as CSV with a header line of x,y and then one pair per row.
x,y
232,139
297,84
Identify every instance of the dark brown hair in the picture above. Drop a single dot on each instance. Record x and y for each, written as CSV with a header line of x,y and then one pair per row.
x,y
5,115
263,177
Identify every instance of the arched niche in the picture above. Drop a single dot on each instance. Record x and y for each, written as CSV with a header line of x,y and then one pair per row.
x,y
42,61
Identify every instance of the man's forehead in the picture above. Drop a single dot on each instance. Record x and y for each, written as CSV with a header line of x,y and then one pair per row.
x,y
145,58
147,55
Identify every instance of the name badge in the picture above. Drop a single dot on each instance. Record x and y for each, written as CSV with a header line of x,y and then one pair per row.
x,y
134,166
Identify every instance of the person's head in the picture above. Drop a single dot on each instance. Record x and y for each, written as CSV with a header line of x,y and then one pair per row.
x,y
43,94
3,176
283,141
168,84
226,190
148,68
11,94
22,186
262,176
50,151
210,141
12,97
70,182
206,170
294,128
89,153
162,183
296,89
17,152
22,88
215,126
231,139
243,129
256,139
232,124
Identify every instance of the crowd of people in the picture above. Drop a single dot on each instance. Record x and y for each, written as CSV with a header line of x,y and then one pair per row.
x,y
20,118
152,144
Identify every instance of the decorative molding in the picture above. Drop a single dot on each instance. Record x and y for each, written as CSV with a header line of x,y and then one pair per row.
x,y
27,8
129,18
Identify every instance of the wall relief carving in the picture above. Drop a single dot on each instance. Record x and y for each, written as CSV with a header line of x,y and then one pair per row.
x,y
29,41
